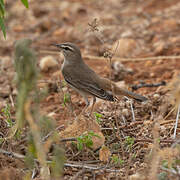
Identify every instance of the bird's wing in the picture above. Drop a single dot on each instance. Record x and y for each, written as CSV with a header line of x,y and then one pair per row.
x,y
90,87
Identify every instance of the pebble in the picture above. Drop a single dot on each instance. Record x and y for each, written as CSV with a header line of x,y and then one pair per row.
x,y
156,96
125,112
47,63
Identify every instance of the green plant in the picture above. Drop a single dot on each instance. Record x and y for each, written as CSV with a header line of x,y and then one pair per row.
x,y
2,14
25,2
57,161
116,160
86,140
129,141
28,113
98,117
7,114
163,176
67,98
165,163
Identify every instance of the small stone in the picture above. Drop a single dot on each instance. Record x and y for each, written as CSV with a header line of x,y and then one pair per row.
x,y
152,74
51,114
47,63
156,96
125,112
124,47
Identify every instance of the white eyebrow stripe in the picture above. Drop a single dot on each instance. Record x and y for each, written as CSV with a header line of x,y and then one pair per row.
x,y
66,46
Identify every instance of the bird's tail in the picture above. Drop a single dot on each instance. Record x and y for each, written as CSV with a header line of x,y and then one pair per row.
x,y
112,87
120,91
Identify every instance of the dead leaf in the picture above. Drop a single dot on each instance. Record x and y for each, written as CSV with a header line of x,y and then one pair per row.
x,y
104,154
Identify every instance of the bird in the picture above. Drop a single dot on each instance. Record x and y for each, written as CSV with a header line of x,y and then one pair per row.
x,y
86,81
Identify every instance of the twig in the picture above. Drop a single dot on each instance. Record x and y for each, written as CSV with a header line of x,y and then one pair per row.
x,y
87,162
135,87
133,59
50,133
12,154
68,139
133,124
177,118
109,128
151,141
91,167
169,113
132,110
11,99
167,122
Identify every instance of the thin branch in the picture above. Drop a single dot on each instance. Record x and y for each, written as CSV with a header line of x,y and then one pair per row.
x,y
91,167
50,133
132,59
177,118
132,110
135,87
12,154
68,139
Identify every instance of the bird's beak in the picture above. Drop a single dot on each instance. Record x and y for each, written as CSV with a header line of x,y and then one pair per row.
x,y
57,45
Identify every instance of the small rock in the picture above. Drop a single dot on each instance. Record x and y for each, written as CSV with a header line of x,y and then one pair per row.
x,y
156,96
51,114
125,112
152,74
80,126
47,63
124,47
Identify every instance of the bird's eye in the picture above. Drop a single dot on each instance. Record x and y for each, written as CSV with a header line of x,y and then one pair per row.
x,y
66,48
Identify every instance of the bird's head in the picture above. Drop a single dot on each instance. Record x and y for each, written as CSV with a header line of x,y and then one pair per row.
x,y
70,51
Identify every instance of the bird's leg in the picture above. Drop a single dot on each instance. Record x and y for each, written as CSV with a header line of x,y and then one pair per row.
x,y
87,104
92,108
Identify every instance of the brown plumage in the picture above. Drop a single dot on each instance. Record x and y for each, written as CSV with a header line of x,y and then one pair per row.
x,y
84,80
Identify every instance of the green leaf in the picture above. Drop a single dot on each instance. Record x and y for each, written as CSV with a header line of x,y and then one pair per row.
x,y
25,2
98,117
2,8
2,26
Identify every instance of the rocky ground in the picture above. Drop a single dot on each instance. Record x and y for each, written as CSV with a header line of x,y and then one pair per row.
x,y
130,42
